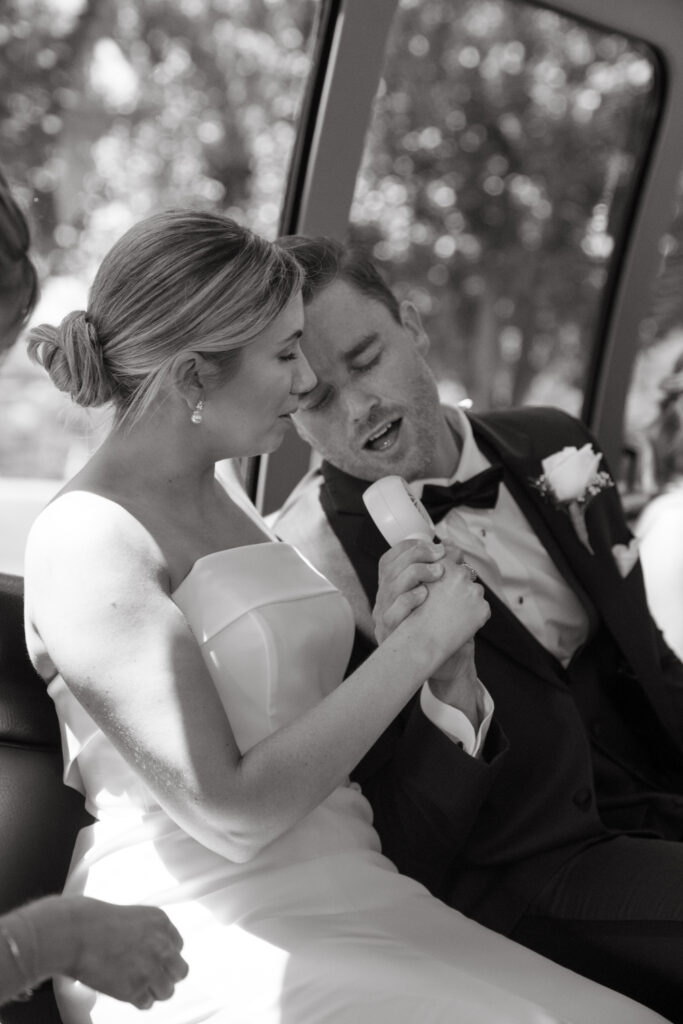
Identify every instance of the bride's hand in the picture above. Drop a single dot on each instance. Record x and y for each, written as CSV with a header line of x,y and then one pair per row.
x,y
405,570
433,597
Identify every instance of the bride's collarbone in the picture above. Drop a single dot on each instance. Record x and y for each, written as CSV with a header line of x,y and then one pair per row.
x,y
187,530
187,539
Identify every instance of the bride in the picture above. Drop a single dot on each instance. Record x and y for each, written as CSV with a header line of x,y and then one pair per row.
x,y
196,666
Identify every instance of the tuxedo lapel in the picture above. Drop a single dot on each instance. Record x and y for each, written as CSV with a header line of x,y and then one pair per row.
x,y
594,577
504,631
513,449
621,601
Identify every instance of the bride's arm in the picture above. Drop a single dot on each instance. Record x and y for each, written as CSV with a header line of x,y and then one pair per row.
x,y
99,612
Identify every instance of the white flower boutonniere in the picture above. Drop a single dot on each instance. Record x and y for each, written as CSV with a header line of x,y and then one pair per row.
x,y
570,480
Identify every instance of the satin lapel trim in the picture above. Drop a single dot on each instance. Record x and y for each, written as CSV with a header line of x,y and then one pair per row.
x,y
621,602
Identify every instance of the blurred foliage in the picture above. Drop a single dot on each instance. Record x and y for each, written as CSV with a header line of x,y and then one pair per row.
x,y
501,160
113,109
503,155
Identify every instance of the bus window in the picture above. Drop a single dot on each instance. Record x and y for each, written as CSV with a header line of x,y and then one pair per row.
x,y
108,113
661,346
500,165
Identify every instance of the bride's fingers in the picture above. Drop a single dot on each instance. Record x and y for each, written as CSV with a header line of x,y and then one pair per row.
x,y
414,574
399,593
409,552
405,572
391,617
453,552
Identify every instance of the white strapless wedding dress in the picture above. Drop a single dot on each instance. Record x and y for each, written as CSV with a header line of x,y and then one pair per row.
x,y
318,928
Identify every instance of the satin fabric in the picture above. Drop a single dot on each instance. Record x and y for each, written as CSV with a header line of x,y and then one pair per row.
x,y
318,928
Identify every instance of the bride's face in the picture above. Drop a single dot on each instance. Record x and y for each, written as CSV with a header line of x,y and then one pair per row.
x,y
252,408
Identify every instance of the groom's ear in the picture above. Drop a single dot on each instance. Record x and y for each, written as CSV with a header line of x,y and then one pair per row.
x,y
411,321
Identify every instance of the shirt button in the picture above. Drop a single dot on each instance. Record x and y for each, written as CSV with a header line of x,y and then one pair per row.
x,y
520,600
583,798
483,533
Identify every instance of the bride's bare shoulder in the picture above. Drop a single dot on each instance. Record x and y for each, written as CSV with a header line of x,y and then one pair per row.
x,y
81,530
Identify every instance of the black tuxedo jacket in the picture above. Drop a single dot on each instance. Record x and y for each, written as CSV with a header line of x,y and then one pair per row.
x,y
573,755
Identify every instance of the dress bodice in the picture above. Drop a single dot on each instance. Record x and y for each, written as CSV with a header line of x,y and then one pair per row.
x,y
276,637
275,634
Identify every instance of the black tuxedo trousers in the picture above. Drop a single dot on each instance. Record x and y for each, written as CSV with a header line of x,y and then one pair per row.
x,y
566,834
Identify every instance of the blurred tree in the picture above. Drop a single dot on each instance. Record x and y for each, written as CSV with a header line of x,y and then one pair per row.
x,y
497,177
112,109
495,184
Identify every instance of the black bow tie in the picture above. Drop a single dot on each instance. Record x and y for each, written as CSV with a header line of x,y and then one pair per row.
x,y
480,491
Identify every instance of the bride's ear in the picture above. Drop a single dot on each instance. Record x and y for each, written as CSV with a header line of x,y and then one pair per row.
x,y
190,373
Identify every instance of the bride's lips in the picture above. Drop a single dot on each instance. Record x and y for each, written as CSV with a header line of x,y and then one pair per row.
x,y
384,437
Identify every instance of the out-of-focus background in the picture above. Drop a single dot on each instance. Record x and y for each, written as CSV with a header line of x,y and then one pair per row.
x,y
504,146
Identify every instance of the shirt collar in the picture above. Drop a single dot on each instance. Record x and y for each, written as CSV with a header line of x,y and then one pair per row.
x,y
471,461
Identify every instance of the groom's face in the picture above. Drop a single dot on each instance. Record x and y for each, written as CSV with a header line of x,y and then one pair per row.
x,y
375,409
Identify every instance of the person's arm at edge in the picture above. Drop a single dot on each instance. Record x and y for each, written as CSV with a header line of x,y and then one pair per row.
x,y
124,951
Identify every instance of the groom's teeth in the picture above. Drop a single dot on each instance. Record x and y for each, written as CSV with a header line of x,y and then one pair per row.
x,y
384,437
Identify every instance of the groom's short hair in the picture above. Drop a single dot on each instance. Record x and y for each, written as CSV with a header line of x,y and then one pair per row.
x,y
325,260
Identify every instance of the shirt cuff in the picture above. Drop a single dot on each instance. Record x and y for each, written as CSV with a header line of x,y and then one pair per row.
x,y
454,723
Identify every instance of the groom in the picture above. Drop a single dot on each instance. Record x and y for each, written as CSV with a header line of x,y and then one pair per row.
x,y
546,802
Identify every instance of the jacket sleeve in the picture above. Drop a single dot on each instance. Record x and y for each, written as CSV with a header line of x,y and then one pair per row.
x,y
425,791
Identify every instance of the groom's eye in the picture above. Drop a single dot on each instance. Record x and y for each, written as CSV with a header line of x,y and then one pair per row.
x,y
368,362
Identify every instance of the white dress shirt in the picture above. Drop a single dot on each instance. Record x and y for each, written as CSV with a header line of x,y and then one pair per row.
x,y
501,545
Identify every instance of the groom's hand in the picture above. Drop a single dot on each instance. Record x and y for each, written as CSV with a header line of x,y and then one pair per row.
x,y
455,682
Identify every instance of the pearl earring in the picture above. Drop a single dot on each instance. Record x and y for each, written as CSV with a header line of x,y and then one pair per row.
x,y
196,416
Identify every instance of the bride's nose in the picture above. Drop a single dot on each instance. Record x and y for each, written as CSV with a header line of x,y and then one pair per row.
x,y
305,379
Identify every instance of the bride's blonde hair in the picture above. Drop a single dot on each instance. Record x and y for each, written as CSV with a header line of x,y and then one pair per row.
x,y
178,282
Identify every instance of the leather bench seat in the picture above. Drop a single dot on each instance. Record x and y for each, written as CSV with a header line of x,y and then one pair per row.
x,y
39,815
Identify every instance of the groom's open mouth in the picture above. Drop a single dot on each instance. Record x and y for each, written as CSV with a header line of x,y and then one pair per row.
x,y
385,437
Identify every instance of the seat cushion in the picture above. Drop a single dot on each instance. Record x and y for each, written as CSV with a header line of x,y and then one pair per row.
x,y
39,815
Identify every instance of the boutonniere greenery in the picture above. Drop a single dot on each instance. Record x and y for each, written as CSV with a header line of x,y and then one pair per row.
x,y
570,480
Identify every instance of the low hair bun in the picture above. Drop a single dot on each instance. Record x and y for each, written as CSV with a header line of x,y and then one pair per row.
x,y
73,357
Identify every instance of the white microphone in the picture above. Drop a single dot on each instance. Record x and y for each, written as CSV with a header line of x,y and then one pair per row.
x,y
397,513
